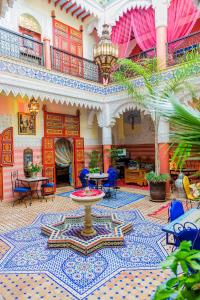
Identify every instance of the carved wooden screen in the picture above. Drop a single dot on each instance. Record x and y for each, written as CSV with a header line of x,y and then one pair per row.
x,y
48,158
6,148
60,125
79,160
1,183
69,40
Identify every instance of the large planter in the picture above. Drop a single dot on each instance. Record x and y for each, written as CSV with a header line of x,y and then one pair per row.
x,y
158,191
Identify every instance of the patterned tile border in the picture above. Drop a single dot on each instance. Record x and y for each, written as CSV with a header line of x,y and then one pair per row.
x,y
66,81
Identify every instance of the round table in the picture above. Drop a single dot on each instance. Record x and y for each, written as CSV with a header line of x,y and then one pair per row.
x,y
87,198
97,177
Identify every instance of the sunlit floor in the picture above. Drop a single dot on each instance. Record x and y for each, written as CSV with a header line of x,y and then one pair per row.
x,y
127,282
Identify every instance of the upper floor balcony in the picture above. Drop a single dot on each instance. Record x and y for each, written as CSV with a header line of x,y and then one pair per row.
x,y
24,48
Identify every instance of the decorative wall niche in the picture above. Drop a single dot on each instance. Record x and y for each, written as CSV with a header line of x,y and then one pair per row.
x,y
28,157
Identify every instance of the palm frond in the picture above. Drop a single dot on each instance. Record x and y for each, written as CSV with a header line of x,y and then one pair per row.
x,y
185,127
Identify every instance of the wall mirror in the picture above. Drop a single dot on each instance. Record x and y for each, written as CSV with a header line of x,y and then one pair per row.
x,y
28,157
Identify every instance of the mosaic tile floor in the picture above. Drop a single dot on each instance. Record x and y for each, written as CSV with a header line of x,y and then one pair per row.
x,y
123,276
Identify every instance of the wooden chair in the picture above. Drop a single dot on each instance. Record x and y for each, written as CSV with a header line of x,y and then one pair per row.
x,y
190,198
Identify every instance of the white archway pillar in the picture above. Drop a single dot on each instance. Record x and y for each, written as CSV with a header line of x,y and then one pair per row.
x,y
163,150
161,17
107,145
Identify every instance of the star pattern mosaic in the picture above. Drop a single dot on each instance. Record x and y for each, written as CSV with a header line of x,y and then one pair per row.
x,y
77,274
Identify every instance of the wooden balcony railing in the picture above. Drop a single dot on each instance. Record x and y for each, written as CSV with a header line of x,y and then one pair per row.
x,y
68,63
177,49
21,47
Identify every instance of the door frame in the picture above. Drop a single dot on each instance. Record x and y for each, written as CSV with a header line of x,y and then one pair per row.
x,y
73,161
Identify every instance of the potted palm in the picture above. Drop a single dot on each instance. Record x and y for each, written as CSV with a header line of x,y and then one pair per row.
x,y
157,185
95,160
155,88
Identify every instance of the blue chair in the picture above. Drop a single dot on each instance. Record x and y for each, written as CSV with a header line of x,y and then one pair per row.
x,y
21,191
187,232
111,169
109,185
175,210
50,186
84,181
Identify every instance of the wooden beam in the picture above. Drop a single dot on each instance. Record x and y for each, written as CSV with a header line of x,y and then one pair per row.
x,y
77,9
83,19
84,11
56,3
65,3
71,6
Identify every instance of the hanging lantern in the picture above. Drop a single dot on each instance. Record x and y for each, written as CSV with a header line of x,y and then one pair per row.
x,y
105,53
33,106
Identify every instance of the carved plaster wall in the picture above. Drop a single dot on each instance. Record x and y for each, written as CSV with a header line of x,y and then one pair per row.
x,y
142,133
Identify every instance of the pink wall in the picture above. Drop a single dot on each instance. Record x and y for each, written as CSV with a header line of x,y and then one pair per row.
x,y
18,165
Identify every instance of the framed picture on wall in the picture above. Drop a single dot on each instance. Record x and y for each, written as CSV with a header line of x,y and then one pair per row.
x,y
26,124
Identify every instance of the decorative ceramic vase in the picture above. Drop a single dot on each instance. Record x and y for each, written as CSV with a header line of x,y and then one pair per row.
x,y
34,174
179,186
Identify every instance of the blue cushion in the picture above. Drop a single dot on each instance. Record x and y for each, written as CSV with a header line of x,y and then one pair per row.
x,y
189,235
106,184
22,190
175,210
46,185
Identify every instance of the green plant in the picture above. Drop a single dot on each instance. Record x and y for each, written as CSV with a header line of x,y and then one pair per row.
x,y
155,178
34,168
154,86
185,128
94,170
95,159
113,155
185,265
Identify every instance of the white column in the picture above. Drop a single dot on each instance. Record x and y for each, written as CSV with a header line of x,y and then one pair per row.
x,y
107,135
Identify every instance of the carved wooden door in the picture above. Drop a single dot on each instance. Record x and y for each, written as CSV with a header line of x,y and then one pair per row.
x,y
79,160
6,153
48,158
6,148
1,183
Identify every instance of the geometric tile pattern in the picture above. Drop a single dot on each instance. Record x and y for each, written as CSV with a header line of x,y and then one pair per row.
x,y
3,248
78,274
109,231
51,77
131,285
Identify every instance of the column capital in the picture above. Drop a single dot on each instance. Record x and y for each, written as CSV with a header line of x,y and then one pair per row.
x,y
46,39
161,12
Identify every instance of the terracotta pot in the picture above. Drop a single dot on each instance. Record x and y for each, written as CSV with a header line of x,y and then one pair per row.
x,y
158,191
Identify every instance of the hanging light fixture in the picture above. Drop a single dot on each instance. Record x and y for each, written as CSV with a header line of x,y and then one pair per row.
x,y
105,53
33,106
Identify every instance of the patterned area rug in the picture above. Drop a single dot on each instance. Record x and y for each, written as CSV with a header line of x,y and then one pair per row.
x,y
80,275
162,212
121,199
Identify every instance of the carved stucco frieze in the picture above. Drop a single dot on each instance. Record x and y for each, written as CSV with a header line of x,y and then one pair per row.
x,y
4,6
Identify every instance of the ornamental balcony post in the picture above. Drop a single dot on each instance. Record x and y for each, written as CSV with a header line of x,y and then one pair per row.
x,y
47,53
